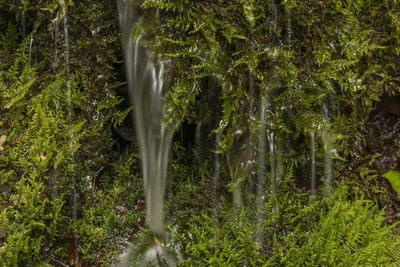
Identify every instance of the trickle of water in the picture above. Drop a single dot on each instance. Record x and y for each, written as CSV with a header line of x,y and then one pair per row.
x,y
217,166
312,135
328,146
262,151
273,162
274,12
56,25
252,187
238,158
261,167
154,122
30,51
66,44
289,27
197,141
67,74
197,147
23,23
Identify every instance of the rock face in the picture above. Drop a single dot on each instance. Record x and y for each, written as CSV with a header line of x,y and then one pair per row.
x,y
384,133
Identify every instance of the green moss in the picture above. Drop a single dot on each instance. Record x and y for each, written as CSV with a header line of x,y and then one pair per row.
x,y
226,58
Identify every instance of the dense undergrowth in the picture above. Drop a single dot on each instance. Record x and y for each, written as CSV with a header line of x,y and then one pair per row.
x,y
70,183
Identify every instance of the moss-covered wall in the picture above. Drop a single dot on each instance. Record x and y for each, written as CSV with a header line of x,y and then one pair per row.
x,y
70,184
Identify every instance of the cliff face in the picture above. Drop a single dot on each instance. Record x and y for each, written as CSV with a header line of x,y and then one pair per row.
x,y
70,184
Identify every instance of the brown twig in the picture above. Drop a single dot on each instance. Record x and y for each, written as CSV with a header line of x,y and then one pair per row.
x,y
13,142
203,8
54,260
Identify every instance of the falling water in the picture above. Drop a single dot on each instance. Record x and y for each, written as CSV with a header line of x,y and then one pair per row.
x,y
262,152
66,48
56,25
30,51
274,12
197,140
273,163
154,123
328,146
238,157
217,166
67,74
289,27
261,167
251,173
54,174
198,148
23,22
66,44
312,135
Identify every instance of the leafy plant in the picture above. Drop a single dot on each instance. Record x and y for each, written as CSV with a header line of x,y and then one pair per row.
x,y
394,179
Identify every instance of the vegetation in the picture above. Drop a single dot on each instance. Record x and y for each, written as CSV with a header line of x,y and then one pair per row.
x,y
70,182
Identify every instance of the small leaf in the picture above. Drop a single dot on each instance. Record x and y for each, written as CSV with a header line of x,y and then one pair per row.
x,y
394,179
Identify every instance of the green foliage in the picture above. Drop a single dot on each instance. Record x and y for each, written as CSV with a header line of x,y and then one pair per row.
x,y
394,179
350,233
52,125
340,230
229,60
212,243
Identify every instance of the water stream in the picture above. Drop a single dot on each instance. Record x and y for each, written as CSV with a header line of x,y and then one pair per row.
x,y
217,167
198,149
66,47
261,167
30,52
147,77
312,136
238,159
70,114
328,146
273,163
56,25
289,27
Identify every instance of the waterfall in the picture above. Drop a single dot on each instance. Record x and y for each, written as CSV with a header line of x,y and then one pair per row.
x,y
30,52
289,27
70,112
312,135
56,25
154,125
238,158
261,168
217,167
198,149
328,146
274,180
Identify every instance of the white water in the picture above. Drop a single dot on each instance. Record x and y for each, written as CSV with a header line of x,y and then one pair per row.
x,y
238,159
260,197
23,22
217,166
197,139
198,148
312,135
154,123
70,112
66,47
261,154
30,52
328,146
273,163
289,27
56,25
